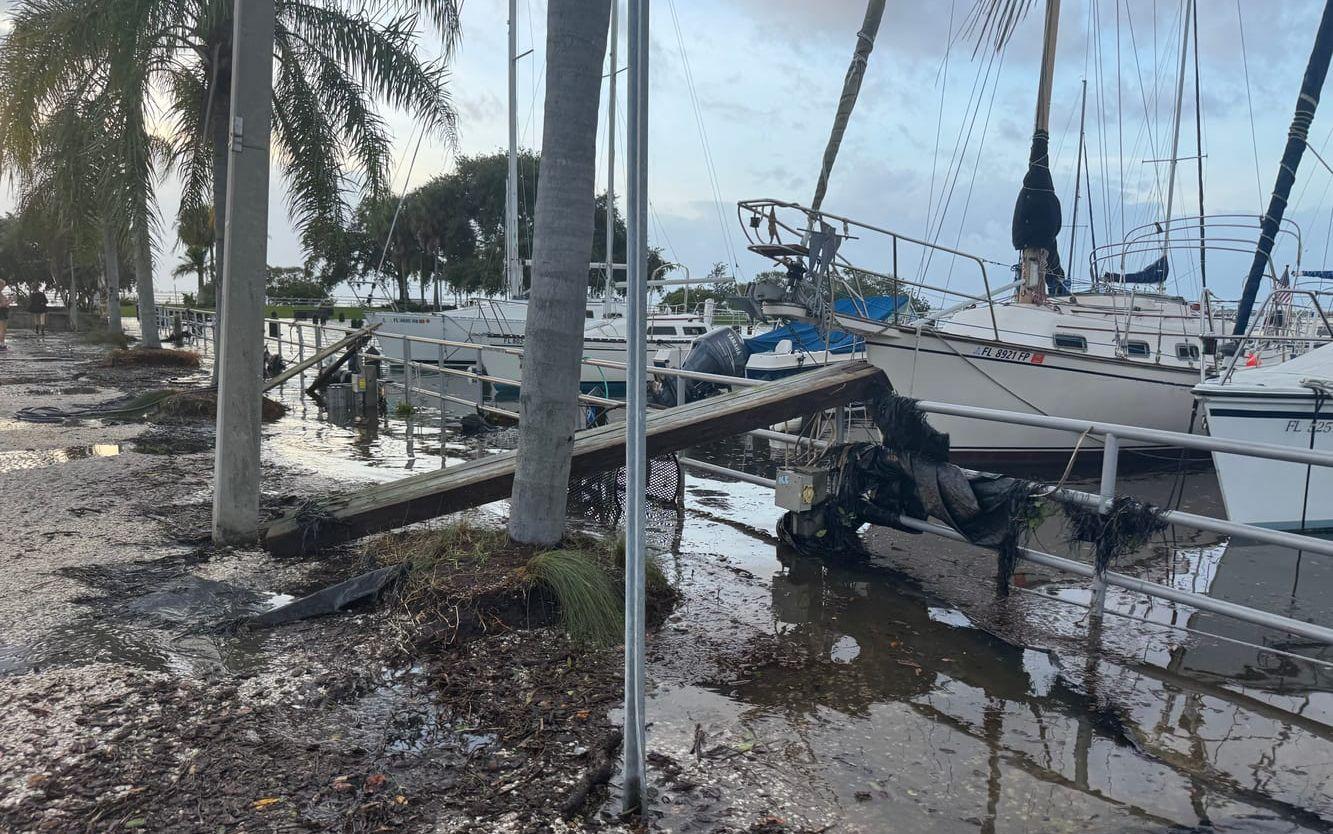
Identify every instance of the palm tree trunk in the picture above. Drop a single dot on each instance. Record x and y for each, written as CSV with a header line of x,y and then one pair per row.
x,y
111,253
143,268
73,294
576,33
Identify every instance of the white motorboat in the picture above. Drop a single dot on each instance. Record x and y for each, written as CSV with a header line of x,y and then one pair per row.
x,y
669,337
1289,404
487,321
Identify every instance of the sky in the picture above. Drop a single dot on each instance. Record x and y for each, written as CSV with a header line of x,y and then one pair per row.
x,y
742,96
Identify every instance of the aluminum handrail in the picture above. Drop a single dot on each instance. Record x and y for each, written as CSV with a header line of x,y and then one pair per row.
x,y
1201,602
1270,451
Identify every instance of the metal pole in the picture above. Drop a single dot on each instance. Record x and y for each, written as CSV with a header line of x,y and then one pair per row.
x,y
611,152
240,355
1110,465
513,268
1198,147
1078,174
319,342
636,461
407,371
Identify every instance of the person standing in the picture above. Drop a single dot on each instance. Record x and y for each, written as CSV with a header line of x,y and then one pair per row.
x,y
4,313
37,305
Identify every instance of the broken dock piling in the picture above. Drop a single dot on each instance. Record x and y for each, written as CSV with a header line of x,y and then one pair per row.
x,y
421,497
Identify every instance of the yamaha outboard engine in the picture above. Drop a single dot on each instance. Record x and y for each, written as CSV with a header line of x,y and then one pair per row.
x,y
721,352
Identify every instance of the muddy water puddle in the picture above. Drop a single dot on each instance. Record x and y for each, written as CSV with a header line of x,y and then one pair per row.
x,y
13,461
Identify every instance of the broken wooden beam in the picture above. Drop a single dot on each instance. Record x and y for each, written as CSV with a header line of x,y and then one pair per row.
x,y
396,504
320,355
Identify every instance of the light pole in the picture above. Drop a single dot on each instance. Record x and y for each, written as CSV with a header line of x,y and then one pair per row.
x,y
245,262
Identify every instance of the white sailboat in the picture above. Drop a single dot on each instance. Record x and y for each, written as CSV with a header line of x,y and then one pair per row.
x,y
1112,352
1289,404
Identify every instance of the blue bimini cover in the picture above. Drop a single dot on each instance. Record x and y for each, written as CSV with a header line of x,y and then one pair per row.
x,y
805,337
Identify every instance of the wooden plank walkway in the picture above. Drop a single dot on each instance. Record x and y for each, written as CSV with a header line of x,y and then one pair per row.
x,y
399,503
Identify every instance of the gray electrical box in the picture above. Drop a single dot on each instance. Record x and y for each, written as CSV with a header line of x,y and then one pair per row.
x,y
801,488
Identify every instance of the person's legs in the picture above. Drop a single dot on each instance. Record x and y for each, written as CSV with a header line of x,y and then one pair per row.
x,y
4,326
39,322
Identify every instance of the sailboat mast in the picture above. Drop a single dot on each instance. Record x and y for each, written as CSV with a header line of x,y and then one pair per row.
x,y
513,268
1175,126
1311,86
1198,146
1078,168
851,88
611,153
1037,210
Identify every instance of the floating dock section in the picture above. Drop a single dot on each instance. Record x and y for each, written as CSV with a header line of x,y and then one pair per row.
x,y
387,506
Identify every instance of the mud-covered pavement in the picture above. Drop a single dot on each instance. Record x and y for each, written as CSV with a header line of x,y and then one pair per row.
x,y
785,694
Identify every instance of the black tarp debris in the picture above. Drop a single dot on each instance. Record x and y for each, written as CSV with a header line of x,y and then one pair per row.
x,y
333,598
1125,527
909,475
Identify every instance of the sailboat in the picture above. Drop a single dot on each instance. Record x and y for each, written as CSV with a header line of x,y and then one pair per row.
x,y
1122,351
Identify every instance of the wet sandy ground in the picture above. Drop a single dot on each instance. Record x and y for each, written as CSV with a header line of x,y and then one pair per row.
x,y
786,694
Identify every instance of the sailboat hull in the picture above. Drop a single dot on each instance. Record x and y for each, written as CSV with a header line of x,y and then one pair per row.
x,y
929,365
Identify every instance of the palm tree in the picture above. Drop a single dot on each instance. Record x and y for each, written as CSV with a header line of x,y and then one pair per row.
x,y
576,36
332,61
193,262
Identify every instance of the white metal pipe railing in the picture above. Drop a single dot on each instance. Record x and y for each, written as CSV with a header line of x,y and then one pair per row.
x,y
1162,437
1153,589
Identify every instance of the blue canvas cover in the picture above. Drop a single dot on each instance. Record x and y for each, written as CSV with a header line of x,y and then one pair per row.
x,y
805,337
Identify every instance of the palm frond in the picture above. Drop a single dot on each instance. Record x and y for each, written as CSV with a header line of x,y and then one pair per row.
x,y
994,21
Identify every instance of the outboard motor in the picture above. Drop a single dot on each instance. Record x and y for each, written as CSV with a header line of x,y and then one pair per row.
x,y
721,352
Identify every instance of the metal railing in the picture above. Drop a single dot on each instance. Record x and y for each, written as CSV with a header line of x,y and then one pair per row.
x,y
1112,434
763,212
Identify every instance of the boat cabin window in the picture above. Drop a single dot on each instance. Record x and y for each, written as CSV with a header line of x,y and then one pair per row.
x,y
695,330
587,314
1134,347
662,331
1071,341
1187,352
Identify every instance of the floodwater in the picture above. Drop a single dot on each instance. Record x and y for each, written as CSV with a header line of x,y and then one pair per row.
x,y
901,694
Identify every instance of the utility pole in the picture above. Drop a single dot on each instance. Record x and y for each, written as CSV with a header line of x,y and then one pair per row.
x,y
245,261
636,457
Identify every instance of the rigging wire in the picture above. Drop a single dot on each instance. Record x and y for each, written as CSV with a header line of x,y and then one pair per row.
x,y
942,79
1249,100
709,165
402,198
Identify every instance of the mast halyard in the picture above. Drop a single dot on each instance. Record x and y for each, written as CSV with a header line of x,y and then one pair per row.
x,y
1037,218
513,267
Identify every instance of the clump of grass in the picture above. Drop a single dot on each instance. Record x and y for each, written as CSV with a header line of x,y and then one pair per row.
x,y
404,410
591,610
203,405
151,357
448,546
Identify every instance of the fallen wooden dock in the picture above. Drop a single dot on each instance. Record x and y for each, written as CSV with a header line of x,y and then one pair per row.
x,y
386,506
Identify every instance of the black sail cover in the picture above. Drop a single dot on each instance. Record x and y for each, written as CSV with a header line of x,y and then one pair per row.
x,y
1037,217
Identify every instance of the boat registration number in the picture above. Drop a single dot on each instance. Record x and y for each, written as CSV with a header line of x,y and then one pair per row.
x,y
1304,427
1009,354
